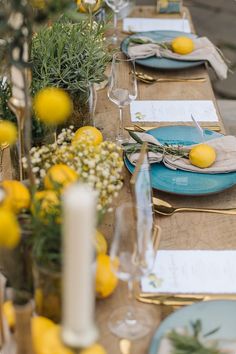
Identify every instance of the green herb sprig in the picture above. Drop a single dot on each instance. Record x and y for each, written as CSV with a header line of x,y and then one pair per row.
x,y
141,40
131,148
191,344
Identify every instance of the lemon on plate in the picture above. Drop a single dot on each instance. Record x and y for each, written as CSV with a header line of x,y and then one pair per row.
x,y
59,176
202,155
52,105
17,196
92,134
106,280
182,45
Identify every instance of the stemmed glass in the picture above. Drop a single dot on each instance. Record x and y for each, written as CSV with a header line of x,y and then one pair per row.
x,y
132,250
116,6
122,87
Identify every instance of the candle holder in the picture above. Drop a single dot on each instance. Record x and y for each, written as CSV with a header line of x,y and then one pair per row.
x,y
18,108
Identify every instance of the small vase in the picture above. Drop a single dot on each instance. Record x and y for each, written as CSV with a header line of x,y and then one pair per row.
x,y
47,293
84,108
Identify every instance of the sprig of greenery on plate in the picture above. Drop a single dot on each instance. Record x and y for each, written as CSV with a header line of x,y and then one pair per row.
x,y
131,148
191,343
144,40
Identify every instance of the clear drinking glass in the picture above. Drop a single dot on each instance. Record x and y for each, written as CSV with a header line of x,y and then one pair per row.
x,y
116,6
132,249
122,87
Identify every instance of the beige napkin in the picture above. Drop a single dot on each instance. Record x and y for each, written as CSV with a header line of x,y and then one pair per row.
x,y
225,147
204,50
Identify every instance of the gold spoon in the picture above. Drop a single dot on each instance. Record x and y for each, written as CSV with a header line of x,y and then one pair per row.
x,y
164,208
148,79
125,346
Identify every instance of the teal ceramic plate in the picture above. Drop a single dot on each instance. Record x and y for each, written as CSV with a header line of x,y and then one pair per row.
x,y
161,63
213,314
182,182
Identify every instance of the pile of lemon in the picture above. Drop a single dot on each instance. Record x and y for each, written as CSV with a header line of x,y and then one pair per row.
x,y
46,335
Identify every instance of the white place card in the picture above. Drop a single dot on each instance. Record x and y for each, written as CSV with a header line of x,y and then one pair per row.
x,y
192,272
173,111
149,24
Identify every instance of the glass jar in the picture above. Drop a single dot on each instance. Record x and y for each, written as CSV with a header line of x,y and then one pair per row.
x,y
47,292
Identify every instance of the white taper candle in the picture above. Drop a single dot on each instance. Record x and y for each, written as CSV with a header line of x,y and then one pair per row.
x,y
78,326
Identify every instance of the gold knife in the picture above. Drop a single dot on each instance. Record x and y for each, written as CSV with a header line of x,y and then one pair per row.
x,y
134,128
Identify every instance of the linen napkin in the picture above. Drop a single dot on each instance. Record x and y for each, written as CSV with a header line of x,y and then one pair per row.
x,y
224,146
204,50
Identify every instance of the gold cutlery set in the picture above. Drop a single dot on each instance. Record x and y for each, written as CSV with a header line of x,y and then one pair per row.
x,y
148,79
164,208
180,299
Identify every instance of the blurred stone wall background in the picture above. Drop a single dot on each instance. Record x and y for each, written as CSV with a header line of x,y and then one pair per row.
x,y
215,19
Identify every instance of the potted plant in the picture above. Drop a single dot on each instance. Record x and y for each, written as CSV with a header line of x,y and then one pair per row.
x,y
71,56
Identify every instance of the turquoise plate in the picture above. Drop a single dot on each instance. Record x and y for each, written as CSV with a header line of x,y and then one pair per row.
x,y
213,314
161,63
182,182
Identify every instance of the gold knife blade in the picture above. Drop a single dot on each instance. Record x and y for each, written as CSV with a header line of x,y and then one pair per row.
x,y
215,128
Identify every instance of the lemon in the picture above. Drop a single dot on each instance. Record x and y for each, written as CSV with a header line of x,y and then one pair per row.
x,y
106,280
46,201
202,155
38,4
59,175
39,327
182,45
17,195
8,133
9,229
94,349
9,314
53,106
51,342
100,243
83,7
90,133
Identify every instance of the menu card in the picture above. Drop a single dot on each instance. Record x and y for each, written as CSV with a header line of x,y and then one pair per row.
x,y
173,111
131,24
192,272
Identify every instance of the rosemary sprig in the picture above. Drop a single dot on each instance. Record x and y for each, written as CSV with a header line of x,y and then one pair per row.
x,y
186,344
131,148
139,40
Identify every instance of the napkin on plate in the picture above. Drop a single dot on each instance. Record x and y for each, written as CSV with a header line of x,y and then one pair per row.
x,y
204,50
225,147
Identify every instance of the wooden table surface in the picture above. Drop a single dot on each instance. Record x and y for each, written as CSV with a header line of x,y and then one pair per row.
x,y
181,231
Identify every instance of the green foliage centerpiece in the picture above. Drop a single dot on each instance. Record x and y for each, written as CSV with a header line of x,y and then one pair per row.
x,y
72,56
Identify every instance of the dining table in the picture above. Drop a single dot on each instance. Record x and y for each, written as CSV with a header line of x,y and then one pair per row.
x,y
181,231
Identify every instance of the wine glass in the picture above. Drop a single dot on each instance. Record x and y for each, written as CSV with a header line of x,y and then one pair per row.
x,y
122,87
133,254
116,6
